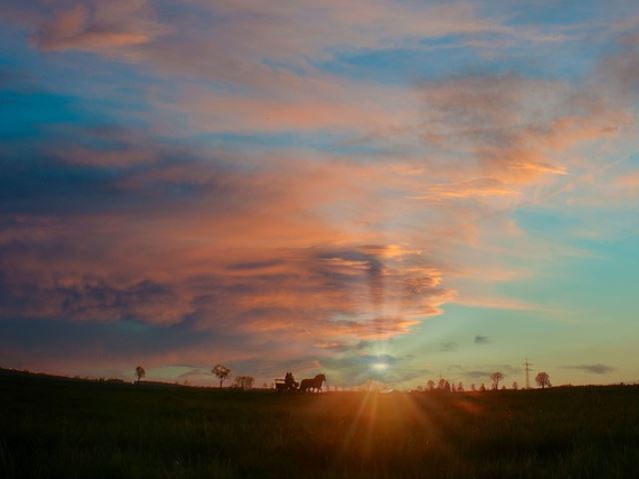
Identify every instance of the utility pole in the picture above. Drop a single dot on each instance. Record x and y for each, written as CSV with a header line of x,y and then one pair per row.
x,y
527,369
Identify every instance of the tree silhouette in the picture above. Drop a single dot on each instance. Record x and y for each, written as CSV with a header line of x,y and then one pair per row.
x,y
443,385
482,387
244,382
495,378
430,384
140,373
515,385
460,387
222,372
472,387
543,380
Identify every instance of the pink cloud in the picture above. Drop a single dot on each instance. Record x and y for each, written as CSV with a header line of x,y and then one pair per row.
x,y
296,251
251,253
99,26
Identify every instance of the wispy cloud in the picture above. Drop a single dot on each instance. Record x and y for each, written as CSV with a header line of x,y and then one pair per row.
x,y
593,368
447,346
99,26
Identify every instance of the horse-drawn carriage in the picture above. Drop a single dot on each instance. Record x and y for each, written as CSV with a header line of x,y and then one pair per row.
x,y
286,384
290,384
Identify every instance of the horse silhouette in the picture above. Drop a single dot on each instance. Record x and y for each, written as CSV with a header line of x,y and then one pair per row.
x,y
314,384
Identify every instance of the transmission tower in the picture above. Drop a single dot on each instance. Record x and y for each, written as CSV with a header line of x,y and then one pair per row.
x,y
527,369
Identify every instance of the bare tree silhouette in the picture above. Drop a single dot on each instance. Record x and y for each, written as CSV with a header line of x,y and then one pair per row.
x,y
244,382
543,380
496,377
140,373
222,372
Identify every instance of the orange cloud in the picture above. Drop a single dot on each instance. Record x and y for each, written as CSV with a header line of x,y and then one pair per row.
x,y
99,26
250,252
293,251
481,187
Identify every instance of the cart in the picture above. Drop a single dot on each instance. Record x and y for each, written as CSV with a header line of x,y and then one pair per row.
x,y
286,384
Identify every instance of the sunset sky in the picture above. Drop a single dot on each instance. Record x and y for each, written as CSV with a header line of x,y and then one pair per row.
x,y
320,186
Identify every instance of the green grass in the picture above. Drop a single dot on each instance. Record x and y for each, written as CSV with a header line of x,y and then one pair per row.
x,y
66,429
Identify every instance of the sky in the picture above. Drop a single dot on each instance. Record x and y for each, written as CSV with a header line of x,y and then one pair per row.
x,y
445,188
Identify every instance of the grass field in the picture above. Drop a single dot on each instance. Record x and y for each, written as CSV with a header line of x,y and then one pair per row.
x,y
60,428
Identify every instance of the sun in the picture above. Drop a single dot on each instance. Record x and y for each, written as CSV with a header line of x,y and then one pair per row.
x,y
379,366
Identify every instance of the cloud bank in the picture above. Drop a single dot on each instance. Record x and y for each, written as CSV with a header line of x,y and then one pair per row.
x,y
238,180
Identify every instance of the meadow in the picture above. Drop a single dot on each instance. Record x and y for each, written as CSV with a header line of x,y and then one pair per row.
x,y
65,428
